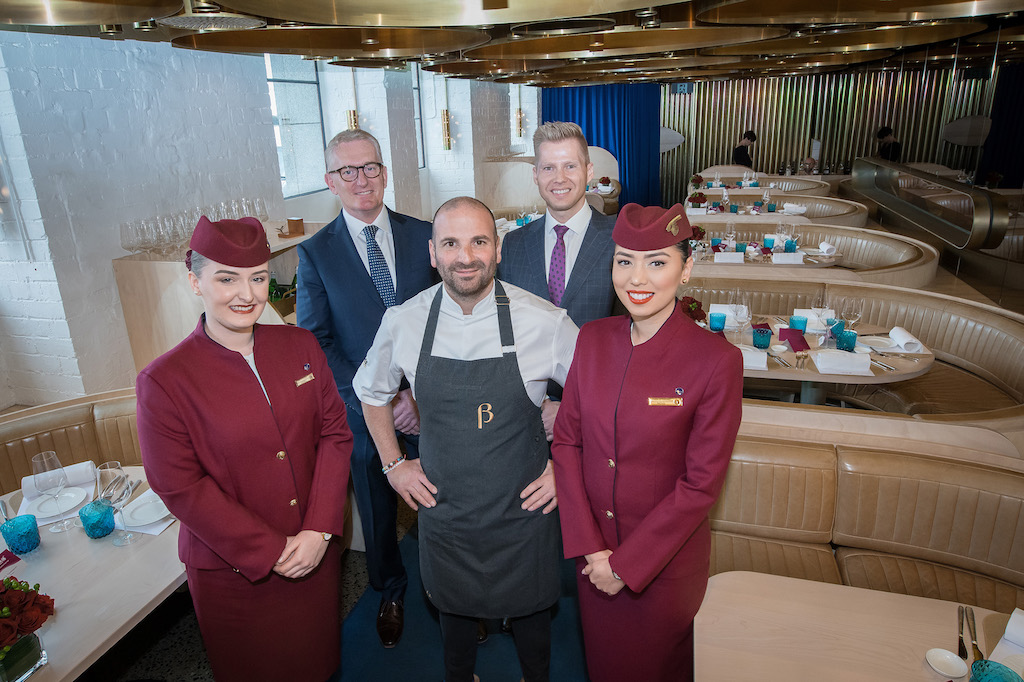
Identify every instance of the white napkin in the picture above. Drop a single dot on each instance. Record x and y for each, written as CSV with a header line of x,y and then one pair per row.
x,y
154,528
790,259
841,362
729,256
754,358
500,222
82,475
794,209
812,320
827,249
1010,649
906,340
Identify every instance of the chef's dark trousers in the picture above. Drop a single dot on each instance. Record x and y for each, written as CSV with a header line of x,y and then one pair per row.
x,y
532,636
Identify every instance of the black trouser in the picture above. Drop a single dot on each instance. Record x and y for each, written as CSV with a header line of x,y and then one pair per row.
x,y
533,645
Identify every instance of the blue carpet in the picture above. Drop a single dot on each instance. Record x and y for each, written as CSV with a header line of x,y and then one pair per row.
x,y
418,656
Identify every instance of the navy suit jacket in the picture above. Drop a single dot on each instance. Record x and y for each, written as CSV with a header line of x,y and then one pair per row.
x,y
588,293
337,300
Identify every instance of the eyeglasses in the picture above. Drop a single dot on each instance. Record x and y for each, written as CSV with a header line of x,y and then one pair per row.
x,y
350,173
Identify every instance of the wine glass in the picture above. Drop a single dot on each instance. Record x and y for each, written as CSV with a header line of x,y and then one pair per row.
x,y
261,209
819,304
730,233
853,310
741,311
50,479
113,484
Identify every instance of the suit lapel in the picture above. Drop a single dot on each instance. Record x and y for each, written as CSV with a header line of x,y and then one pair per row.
x,y
535,258
346,257
405,255
590,256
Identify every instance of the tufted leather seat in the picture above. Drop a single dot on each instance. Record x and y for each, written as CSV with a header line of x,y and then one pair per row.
x,y
791,185
823,209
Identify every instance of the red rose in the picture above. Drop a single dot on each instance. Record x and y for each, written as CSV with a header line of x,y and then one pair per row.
x,y
8,631
15,600
31,620
44,603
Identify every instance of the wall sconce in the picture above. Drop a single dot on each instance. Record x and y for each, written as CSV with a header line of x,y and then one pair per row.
x,y
446,121
353,119
519,111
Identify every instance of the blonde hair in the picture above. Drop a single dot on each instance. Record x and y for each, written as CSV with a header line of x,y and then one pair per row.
x,y
350,136
556,131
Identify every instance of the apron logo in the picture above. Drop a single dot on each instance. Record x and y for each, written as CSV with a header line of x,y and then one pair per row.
x,y
481,410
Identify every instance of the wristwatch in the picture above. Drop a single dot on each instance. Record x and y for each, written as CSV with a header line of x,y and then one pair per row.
x,y
616,576
327,536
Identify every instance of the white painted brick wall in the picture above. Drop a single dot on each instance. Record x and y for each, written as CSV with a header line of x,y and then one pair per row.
x,y
99,132
404,176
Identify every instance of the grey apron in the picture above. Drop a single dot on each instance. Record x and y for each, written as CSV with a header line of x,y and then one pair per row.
x,y
481,442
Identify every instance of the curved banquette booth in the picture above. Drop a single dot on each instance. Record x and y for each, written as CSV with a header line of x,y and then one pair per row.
x,y
792,184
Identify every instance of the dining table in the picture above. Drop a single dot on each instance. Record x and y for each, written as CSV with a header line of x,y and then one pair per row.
x,y
886,366
100,591
770,628
702,217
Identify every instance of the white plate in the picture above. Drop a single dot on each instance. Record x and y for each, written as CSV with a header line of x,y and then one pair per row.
x,y
861,349
877,342
44,506
148,511
946,663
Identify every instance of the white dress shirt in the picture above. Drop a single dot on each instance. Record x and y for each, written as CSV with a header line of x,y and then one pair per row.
x,y
577,225
545,341
384,240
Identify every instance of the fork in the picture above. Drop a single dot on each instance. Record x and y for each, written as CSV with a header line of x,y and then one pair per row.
x,y
962,650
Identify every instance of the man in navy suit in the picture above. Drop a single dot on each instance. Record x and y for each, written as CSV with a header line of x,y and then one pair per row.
x,y
368,259
577,239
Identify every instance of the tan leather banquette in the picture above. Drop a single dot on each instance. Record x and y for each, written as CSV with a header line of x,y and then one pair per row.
x,y
979,349
902,522
821,209
793,185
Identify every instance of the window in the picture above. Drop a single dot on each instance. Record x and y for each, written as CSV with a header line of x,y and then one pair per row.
x,y
298,125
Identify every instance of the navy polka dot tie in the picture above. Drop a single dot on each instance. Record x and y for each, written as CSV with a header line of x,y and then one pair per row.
x,y
379,267
556,273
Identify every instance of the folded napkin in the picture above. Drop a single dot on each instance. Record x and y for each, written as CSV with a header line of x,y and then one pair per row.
x,y
729,257
82,474
794,209
154,528
796,340
716,248
906,340
827,249
604,189
841,362
765,251
788,259
1011,644
500,222
813,322
754,358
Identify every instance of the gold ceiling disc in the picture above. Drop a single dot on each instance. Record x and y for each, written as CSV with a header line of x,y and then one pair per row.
x,y
490,67
643,64
1007,34
554,78
845,11
814,61
856,40
623,41
84,12
430,12
336,41
369,63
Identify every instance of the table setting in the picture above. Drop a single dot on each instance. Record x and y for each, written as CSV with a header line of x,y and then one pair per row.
x,y
779,248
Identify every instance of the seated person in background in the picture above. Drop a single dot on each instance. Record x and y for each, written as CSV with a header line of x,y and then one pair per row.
x,y
809,164
741,155
889,149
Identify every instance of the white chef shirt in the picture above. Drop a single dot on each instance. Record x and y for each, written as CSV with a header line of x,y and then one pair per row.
x,y
577,225
384,240
545,341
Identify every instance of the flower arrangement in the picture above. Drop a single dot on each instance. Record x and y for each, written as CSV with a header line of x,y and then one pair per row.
x,y
697,198
24,611
696,180
605,180
698,234
693,308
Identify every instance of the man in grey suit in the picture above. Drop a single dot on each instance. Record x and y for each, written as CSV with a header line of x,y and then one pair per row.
x,y
365,261
566,255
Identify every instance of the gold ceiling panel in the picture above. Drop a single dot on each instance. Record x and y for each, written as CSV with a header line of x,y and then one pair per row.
x,y
490,67
845,11
336,41
369,63
681,61
84,12
429,12
623,42
855,40
1007,34
814,61
552,78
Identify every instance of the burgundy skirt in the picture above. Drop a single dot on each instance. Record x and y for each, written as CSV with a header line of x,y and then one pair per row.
x,y
275,629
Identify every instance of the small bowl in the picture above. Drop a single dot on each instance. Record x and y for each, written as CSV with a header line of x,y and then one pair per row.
x,y
779,348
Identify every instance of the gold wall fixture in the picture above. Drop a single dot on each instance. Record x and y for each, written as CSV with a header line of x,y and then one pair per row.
x,y
342,42
843,110
446,130
78,13
353,119
430,13
624,41
519,110
855,40
845,11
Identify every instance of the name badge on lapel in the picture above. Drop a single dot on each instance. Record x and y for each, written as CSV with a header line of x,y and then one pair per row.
x,y
665,402
304,380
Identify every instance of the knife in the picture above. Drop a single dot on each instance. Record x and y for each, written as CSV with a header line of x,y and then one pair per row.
x,y
962,652
887,368
779,360
974,635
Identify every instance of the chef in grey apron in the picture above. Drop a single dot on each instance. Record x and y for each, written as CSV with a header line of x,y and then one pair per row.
x,y
482,441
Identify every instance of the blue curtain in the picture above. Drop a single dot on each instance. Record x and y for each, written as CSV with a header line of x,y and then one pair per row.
x,y
625,120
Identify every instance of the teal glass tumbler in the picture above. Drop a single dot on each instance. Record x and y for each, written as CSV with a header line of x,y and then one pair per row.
x,y
715,241
762,338
21,533
769,242
770,207
734,208
741,246
847,340
790,246
716,322
835,326
97,518
798,322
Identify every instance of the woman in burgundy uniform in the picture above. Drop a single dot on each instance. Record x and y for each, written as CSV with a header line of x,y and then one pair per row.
x,y
244,438
642,442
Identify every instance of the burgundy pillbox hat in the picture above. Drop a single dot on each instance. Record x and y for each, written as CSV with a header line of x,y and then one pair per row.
x,y
239,243
649,228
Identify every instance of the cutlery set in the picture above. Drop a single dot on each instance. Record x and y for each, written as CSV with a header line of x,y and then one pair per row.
x,y
972,628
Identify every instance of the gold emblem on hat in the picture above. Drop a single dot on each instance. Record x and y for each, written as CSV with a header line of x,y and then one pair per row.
x,y
672,227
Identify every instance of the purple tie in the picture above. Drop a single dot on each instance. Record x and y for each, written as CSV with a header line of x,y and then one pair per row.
x,y
556,273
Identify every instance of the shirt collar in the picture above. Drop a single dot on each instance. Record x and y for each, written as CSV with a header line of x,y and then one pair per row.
x,y
355,225
577,224
451,307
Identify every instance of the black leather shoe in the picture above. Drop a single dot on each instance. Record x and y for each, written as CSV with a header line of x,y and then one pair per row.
x,y
481,631
390,620
506,625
